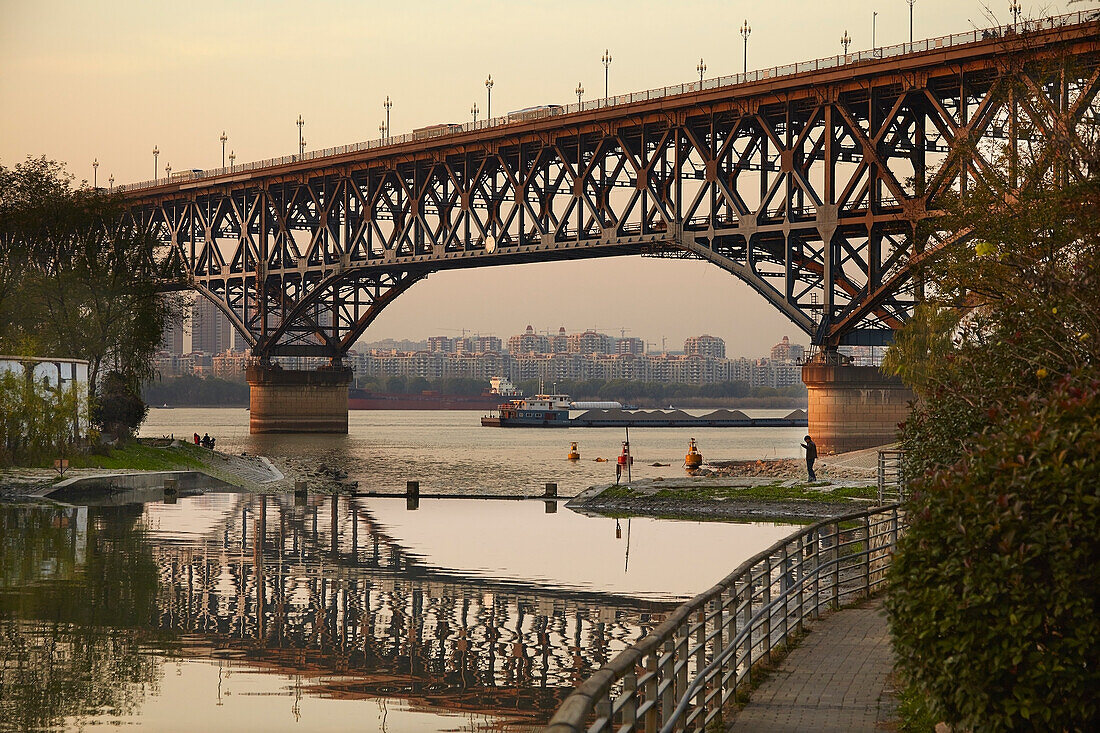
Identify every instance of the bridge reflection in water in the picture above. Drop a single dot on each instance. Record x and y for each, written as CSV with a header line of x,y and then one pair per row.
x,y
316,591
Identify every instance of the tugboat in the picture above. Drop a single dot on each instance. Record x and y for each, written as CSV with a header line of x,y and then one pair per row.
x,y
540,411
694,458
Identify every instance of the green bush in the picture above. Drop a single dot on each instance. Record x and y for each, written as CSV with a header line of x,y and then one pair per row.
x,y
993,602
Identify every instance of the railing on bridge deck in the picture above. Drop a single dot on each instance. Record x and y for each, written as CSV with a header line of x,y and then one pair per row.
x,y
827,62
682,674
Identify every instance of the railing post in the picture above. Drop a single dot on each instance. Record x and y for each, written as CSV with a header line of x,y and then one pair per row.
x,y
746,624
867,555
784,592
815,565
667,668
766,621
630,706
836,564
800,579
701,655
651,687
682,657
603,710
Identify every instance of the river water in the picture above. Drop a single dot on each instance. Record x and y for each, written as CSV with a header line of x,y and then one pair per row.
x,y
449,452
234,611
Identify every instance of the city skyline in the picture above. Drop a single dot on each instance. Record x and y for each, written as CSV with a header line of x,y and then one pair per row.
x,y
88,82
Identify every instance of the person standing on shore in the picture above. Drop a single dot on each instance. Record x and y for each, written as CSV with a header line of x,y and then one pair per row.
x,y
811,456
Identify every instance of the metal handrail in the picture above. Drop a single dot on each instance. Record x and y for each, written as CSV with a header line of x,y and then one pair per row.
x,y
682,674
827,62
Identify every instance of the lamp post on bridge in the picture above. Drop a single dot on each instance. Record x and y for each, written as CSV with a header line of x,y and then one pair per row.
x,y
232,158
168,171
489,97
606,67
388,105
223,138
845,40
911,3
156,170
874,23
746,31
701,68
301,142
579,90
382,130
474,111
1014,8
95,173
111,182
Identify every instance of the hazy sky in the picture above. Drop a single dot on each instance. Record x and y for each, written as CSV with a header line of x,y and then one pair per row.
x,y
111,79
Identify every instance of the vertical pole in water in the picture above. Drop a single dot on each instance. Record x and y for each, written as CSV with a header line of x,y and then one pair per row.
x,y
629,459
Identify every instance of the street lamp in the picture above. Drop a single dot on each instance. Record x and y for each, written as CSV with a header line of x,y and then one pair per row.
x,y
111,182
911,2
845,40
489,97
1014,8
382,130
388,105
746,29
579,90
95,172
168,171
156,153
232,159
606,66
874,23
473,111
223,138
301,142
701,68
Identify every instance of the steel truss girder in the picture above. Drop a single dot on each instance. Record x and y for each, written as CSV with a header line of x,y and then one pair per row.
x,y
811,193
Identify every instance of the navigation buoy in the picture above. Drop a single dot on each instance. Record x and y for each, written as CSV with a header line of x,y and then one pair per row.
x,y
574,454
694,458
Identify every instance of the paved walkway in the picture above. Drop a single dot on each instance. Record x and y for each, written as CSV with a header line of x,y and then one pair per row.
x,y
834,681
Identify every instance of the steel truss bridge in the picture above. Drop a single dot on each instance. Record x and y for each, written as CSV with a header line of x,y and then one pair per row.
x,y
818,184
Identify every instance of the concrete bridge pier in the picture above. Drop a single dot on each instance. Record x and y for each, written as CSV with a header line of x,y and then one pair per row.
x,y
853,407
294,401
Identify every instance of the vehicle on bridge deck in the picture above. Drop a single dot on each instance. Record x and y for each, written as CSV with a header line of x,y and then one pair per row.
x,y
540,411
186,175
534,113
430,131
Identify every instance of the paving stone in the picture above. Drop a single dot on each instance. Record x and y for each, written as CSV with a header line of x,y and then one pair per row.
x,y
836,680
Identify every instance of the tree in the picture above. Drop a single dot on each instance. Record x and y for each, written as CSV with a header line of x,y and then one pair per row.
x,y
993,592
75,280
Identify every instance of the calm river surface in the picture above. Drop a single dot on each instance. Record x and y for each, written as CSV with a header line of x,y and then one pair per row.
x,y
238,612
449,452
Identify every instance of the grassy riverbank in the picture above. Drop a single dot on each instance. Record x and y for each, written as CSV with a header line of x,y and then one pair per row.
x,y
249,472
728,498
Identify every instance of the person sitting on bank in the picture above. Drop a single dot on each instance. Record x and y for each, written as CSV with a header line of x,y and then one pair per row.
x,y
811,456
206,440
196,438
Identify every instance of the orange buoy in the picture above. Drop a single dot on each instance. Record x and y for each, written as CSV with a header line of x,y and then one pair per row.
x,y
574,454
694,458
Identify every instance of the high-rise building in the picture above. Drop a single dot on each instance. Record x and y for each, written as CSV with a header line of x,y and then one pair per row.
x,y
171,340
559,342
591,342
786,351
629,345
442,344
705,345
488,345
528,342
210,330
